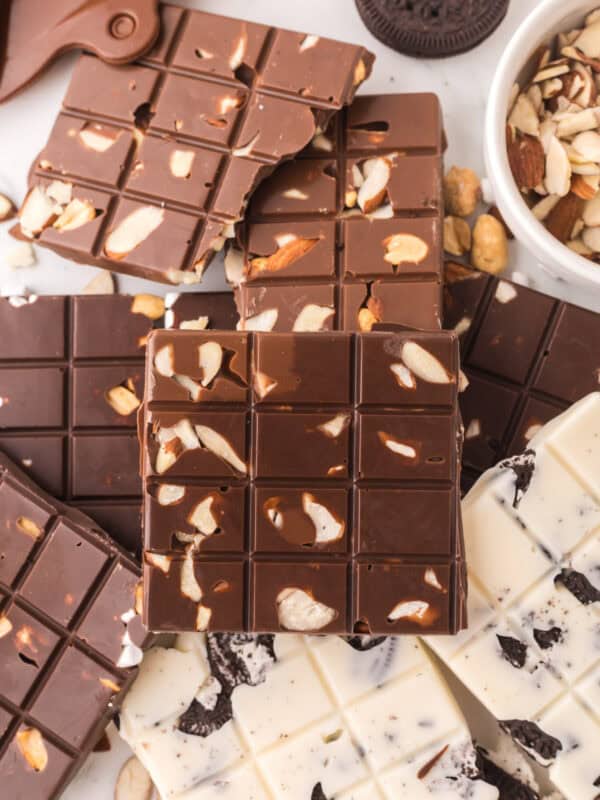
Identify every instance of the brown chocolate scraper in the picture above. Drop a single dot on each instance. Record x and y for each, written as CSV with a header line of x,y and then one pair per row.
x,y
159,158
34,32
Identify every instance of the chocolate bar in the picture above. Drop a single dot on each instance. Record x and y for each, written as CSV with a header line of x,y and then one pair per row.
x,y
161,156
71,378
349,233
70,636
274,717
527,357
531,652
302,482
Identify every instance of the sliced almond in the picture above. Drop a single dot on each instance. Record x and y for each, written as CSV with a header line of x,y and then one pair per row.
x,y
366,319
188,584
122,400
374,188
558,169
169,494
527,160
404,376
297,610
265,321
322,142
591,239
164,361
585,186
134,229
7,208
33,749
210,359
360,73
282,258
180,163
588,145
217,444
457,236
263,384
399,448
588,40
203,618
424,364
203,518
591,212
134,782
327,527
573,123
75,215
405,248
414,610
312,318
335,426
163,563
37,212
524,116
431,579
97,138
149,305
102,283
29,527
551,70
544,207
309,41
5,626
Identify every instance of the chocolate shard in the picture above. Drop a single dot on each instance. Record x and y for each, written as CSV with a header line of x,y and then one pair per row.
x,y
579,586
523,467
533,738
318,793
547,638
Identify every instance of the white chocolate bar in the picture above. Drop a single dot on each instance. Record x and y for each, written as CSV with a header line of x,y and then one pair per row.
x,y
532,651
311,718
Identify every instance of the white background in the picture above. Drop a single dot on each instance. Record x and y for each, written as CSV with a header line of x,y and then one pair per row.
x,y
462,84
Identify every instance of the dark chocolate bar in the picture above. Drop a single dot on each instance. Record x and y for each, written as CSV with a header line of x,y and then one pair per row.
x,y
71,378
527,357
160,157
349,234
302,482
70,636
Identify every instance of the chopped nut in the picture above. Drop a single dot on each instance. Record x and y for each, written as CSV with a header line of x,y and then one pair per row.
x,y
457,236
585,186
210,358
591,239
29,527
490,245
366,319
282,258
309,41
168,494
404,376
360,72
312,318
404,248
265,321
415,610
424,364
134,782
173,442
263,384
591,212
527,160
335,426
474,429
163,563
524,116
21,255
298,610
149,305
202,517
295,194
189,585
7,208
462,189
400,448
588,40
321,142
505,292
217,444
327,527
563,216
544,207
75,215
97,138
5,626
102,283
37,212
203,618
558,169
180,163
123,400
350,198
32,748
134,229
110,684
431,579
373,190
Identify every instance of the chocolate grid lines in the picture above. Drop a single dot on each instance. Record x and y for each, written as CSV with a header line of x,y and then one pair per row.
x,y
212,95
527,357
67,597
60,360
278,474
318,199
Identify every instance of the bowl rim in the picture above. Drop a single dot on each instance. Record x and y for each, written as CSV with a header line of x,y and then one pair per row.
x,y
519,218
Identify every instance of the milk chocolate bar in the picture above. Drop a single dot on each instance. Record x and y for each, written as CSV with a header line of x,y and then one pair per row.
x,y
349,233
161,156
70,636
299,718
302,482
532,530
527,357
71,380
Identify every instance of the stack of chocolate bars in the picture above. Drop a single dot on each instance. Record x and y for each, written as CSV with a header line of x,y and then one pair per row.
x,y
299,440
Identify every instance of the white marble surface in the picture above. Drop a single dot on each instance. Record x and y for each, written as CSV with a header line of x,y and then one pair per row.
x,y
462,84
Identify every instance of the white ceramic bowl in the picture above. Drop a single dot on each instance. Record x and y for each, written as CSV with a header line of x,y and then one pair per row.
x,y
550,18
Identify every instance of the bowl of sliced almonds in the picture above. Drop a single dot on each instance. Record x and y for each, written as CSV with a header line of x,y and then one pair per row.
x,y
542,137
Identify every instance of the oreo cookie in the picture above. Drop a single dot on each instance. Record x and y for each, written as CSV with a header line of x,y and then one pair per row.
x,y
432,28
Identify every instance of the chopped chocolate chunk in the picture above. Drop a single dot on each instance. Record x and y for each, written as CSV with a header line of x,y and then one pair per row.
x,y
533,738
514,651
547,638
579,586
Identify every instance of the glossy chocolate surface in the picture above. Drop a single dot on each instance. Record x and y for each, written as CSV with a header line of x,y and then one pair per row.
x,y
527,356
70,636
323,199
187,132
72,377
317,462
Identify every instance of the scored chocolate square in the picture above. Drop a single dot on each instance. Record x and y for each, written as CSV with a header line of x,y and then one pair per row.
x,y
302,482
349,233
70,636
156,160
71,381
527,357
